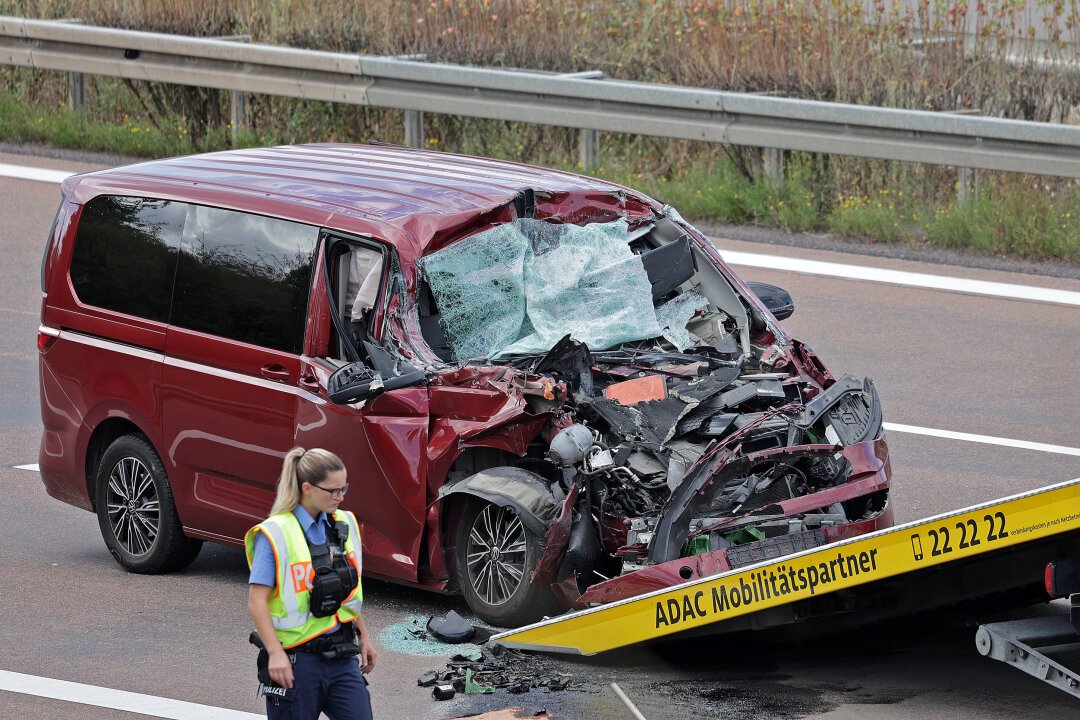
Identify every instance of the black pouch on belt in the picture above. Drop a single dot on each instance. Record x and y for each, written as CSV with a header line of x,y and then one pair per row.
x,y
262,662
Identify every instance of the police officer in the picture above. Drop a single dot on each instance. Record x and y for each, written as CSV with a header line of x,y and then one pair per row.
x,y
305,596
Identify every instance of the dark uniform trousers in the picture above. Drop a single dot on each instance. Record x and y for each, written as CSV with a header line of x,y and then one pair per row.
x,y
336,687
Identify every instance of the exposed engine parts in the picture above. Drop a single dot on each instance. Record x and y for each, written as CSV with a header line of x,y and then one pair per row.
x,y
677,455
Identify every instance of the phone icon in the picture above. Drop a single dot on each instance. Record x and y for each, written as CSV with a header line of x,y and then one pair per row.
x,y
916,546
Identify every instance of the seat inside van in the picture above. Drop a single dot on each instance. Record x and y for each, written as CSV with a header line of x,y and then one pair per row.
x,y
359,274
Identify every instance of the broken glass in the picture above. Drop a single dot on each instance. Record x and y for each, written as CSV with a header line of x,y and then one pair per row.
x,y
520,287
673,316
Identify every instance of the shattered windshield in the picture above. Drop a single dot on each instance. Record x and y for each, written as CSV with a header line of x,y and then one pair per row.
x,y
520,287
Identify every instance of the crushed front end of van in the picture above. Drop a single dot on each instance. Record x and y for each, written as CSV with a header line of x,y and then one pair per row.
x,y
620,413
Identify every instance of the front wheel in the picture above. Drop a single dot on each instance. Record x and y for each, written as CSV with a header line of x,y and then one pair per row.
x,y
496,556
135,509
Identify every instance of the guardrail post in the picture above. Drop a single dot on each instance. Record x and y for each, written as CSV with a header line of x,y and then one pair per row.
x,y
967,185
414,128
773,160
587,146
239,115
77,91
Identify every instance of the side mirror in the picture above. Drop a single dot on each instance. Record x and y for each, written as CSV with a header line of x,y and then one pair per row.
x,y
357,381
776,299
353,383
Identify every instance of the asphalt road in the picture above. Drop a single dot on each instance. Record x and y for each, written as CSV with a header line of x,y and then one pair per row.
x,y
945,360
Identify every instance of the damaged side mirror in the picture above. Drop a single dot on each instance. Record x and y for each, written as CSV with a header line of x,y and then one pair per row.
x,y
776,299
358,381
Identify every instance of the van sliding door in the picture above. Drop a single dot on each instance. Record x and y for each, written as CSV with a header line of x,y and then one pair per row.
x,y
232,364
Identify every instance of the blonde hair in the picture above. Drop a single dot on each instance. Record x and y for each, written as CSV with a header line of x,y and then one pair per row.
x,y
302,466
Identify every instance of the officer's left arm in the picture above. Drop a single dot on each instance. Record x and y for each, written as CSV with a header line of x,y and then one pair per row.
x,y
367,647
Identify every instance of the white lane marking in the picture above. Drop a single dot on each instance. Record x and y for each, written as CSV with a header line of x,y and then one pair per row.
x,y
116,699
988,439
902,277
28,466
29,173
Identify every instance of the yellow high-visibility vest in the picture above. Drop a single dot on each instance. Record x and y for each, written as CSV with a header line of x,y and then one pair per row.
x,y
289,602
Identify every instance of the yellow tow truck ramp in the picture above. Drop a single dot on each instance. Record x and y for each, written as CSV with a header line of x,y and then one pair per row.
x,y
993,548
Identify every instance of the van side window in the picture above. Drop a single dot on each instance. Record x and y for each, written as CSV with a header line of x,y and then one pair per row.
x,y
245,277
125,254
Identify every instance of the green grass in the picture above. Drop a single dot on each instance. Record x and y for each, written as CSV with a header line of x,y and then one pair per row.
x,y
1012,216
66,128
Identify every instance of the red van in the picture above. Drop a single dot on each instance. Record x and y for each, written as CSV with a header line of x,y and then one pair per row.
x,y
548,390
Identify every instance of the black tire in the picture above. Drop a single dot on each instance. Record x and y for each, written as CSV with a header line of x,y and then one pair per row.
x,y
135,509
496,557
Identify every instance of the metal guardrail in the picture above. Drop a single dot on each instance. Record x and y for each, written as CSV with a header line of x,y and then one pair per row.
x,y
541,98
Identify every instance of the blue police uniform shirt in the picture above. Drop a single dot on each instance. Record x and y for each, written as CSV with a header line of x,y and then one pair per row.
x,y
263,564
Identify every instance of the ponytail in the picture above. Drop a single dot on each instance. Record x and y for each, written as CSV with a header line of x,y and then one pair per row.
x,y
302,466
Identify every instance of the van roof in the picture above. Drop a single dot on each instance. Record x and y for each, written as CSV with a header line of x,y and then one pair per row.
x,y
379,184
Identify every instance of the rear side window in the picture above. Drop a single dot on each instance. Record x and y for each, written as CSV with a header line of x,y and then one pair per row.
x,y
245,277
125,254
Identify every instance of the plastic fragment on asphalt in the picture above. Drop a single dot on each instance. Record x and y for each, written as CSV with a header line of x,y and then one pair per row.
x,y
443,692
472,687
497,667
454,629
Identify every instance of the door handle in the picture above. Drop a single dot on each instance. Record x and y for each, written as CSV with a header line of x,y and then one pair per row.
x,y
309,382
273,371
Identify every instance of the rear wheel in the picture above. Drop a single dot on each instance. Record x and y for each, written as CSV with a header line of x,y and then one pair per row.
x,y
496,556
135,509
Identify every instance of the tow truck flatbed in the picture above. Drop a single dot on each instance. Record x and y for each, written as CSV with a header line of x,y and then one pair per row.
x,y
996,547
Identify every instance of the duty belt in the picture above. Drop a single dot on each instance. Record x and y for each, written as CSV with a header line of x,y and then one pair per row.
x,y
334,643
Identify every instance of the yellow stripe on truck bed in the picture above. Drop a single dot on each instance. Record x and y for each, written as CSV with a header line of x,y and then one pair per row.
x,y
914,546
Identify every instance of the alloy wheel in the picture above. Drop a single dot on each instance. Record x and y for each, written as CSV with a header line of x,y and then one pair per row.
x,y
133,506
495,554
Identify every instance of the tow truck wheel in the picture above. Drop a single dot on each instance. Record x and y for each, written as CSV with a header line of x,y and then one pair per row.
x,y
496,557
135,509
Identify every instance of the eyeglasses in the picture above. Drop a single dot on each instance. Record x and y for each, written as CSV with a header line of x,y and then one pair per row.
x,y
336,492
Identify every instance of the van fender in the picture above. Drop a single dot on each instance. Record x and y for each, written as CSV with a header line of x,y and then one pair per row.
x,y
527,493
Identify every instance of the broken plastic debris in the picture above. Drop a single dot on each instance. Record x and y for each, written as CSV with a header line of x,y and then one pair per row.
x,y
443,692
454,629
696,545
428,679
497,667
629,392
472,687
745,535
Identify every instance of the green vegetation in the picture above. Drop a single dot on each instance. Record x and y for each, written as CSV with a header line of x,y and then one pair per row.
x,y
837,50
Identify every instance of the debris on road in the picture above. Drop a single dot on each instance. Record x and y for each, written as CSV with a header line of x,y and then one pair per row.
x,y
452,629
494,667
